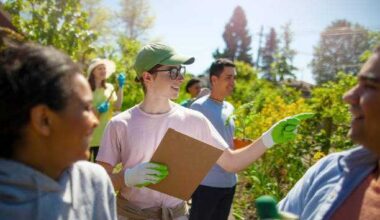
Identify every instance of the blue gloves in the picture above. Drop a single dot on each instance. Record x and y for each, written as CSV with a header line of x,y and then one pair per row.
x,y
103,107
121,80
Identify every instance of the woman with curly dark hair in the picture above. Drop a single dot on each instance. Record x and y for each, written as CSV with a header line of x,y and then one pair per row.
x,y
46,120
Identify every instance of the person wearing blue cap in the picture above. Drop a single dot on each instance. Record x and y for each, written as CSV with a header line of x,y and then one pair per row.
x,y
132,137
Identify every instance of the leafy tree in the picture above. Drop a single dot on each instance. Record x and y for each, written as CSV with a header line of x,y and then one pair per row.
x,y
339,47
137,17
100,19
237,38
268,55
62,24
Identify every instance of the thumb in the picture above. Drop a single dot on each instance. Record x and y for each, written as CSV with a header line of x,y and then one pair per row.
x,y
304,115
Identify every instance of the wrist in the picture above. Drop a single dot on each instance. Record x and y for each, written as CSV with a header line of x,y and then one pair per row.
x,y
267,139
126,178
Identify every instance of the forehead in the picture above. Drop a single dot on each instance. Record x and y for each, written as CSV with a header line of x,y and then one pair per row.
x,y
371,68
100,66
228,70
81,88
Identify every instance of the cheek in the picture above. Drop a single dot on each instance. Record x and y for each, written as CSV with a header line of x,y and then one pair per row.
x,y
370,105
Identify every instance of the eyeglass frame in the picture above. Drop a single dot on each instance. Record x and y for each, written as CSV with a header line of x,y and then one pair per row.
x,y
172,76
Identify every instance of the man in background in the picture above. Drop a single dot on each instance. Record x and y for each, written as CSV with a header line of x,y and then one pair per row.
x,y
213,198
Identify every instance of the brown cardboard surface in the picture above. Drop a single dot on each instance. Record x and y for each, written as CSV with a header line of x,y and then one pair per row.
x,y
188,160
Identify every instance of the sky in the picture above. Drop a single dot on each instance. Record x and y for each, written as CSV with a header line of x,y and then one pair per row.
x,y
195,27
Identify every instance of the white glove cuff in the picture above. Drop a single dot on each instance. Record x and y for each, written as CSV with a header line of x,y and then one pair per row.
x,y
267,139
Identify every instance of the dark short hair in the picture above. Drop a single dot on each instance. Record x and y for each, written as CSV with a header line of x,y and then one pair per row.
x,y
218,65
30,75
191,83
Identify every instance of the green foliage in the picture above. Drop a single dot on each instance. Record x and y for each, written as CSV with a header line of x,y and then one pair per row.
x,y
51,22
339,48
277,56
280,168
268,55
137,18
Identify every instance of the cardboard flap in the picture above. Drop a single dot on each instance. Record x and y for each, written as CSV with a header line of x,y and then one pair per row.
x,y
188,159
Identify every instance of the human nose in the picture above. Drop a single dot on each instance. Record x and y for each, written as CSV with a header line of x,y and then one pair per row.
x,y
352,96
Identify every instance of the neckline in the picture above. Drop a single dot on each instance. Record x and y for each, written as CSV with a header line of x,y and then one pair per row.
x,y
215,100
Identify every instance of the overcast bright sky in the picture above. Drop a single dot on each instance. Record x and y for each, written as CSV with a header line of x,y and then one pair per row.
x,y
195,27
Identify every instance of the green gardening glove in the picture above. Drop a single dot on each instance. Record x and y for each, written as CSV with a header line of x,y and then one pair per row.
x,y
144,174
267,209
284,130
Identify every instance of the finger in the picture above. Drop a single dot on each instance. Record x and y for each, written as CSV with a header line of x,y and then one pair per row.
x,y
304,116
156,166
160,174
290,128
289,136
143,184
292,121
152,172
152,178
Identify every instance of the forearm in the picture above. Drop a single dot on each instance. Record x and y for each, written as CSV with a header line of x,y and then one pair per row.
x,y
117,179
119,101
236,160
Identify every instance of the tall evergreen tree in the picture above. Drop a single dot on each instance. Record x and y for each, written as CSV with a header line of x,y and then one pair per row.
x,y
283,65
339,49
237,38
268,55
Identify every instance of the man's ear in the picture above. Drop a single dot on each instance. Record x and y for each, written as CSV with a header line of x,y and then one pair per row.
x,y
40,119
213,79
147,77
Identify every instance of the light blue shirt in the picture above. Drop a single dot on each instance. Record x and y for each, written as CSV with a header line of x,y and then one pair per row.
x,y
218,113
325,186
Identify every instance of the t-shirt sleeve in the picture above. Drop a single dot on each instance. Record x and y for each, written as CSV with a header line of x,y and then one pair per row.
x,y
211,136
297,198
110,147
195,106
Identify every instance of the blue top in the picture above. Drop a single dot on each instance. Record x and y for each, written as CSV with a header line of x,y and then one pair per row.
x,y
217,113
326,185
83,191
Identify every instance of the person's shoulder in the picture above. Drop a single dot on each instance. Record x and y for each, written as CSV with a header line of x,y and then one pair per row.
x,y
124,116
200,101
329,160
91,171
228,104
189,113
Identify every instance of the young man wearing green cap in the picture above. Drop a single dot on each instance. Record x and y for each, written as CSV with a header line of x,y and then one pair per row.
x,y
133,136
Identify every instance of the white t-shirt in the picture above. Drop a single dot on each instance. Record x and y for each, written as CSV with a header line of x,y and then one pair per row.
x,y
133,136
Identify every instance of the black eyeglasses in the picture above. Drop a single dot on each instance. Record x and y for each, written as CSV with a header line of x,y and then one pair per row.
x,y
174,72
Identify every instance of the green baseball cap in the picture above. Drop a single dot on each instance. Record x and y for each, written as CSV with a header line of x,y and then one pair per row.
x,y
155,53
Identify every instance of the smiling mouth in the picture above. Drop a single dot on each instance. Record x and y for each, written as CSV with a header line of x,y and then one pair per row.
x,y
175,88
357,118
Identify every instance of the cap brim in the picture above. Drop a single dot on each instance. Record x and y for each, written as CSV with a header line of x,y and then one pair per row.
x,y
178,60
